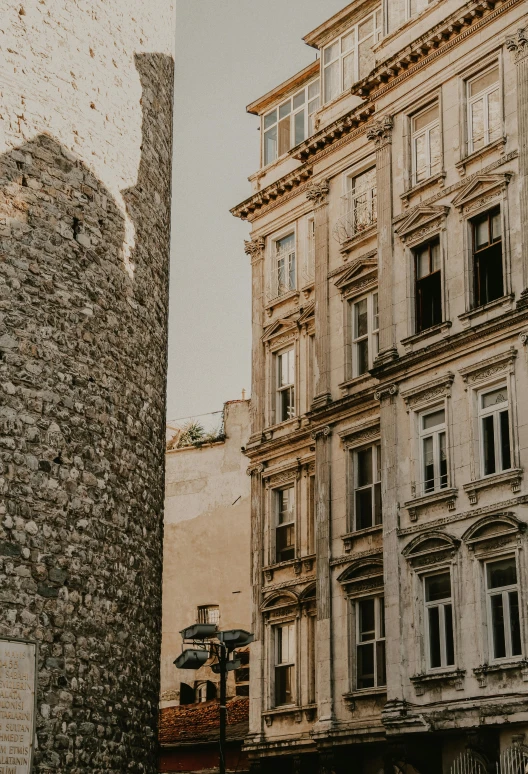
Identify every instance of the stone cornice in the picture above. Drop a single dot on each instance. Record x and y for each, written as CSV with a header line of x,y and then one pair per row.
x,y
353,120
273,192
442,38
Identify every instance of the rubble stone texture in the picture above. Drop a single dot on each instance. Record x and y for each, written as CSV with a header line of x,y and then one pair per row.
x,y
85,168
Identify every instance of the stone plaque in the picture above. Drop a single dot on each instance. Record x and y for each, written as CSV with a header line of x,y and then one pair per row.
x,y
18,678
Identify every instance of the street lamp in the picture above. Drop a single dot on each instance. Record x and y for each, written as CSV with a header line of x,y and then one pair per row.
x,y
208,642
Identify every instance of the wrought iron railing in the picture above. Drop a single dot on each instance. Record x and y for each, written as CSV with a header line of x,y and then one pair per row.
x,y
283,274
360,213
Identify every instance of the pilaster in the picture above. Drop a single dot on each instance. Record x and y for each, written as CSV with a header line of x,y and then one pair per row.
x,y
324,676
518,45
255,249
318,194
381,134
256,688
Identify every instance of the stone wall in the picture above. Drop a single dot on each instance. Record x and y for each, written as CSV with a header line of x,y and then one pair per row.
x,y
85,161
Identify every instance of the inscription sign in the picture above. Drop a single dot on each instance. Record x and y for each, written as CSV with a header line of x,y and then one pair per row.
x,y
17,705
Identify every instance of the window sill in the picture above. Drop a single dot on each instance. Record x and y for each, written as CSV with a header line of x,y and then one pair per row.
x,y
363,693
358,238
417,338
302,564
309,710
415,189
504,301
279,300
453,677
351,537
442,495
461,165
513,477
508,665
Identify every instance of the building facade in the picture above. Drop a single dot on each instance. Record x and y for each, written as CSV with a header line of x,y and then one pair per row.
x,y
389,435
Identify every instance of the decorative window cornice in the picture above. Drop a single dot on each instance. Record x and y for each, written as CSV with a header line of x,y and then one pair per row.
x,y
430,548
518,45
281,331
360,434
485,369
422,223
359,276
418,397
362,576
482,189
494,531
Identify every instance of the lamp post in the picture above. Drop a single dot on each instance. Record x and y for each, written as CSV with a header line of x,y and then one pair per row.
x,y
208,642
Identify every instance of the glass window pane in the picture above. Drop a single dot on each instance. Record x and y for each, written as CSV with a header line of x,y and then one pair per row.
x,y
299,127
270,145
348,71
417,6
381,675
367,620
443,459
360,318
435,659
298,100
362,357
435,150
375,312
482,232
331,52
434,420
270,119
396,15
494,398
364,508
284,136
347,41
477,124
494,120
505,440
438,587
366,57
496,227
515,623
502,573
425,118
450,644
488,439
422,263
331,82
313,89
365,666
428,462
497,626
435,256
377,504
381,604
366,28
484,81
284,109
364,467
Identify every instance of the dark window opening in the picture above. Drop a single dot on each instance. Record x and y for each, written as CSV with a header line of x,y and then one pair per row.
x,y
428,286
487,258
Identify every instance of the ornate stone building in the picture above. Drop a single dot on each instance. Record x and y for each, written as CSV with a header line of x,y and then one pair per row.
x,y
389,436
85,178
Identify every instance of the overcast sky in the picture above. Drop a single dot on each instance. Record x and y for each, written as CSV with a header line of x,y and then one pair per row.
x,y
228,53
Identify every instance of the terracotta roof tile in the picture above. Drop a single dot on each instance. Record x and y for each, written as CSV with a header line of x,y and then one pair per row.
x,y
201,722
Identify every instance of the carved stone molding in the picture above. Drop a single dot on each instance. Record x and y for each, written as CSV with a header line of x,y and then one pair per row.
x,y
523,338
518,45
255,248
421,223
278,479
252,469
485,369
359,434
380,131
318,192
481,191
419,396
320,432
385,391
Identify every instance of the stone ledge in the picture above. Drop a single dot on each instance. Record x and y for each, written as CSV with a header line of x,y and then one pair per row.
x,y
513,477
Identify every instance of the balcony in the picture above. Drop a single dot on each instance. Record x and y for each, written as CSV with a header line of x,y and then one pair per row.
x,y
360,215
283,274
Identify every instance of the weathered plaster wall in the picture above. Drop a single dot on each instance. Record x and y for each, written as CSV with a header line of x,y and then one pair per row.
x,y
85,158
206,546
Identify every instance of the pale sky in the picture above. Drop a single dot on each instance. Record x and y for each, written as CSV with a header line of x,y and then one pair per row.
x,y
228,53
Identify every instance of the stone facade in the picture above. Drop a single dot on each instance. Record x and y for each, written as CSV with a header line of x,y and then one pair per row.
x,y
85,174
389,364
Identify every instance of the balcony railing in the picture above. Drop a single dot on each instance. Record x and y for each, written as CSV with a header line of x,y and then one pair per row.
x,y
360,213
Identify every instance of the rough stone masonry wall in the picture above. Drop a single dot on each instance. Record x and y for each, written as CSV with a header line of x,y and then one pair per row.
x,y
85,163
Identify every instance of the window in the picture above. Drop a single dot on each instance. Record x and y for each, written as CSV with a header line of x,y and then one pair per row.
x,y
350,57
283,267
428,293
494,431
367,487
365,334
311,515
439,621
291,122
360,201
209,614
503,608
285,525
400,11
487,257
310,250
433,450
484,119
426,145
370,643
284,664
285,362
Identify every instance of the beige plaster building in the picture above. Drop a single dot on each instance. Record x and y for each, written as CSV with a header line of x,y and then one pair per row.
x,y
389,432
206,553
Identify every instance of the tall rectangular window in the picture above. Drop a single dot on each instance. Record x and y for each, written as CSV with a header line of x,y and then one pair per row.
x,y
367,487
284,268
290,123
494,431
285,524
284,664
350,57
360,201
503,608
426,144
433,450
370,643
487,257
365,333
285,395
484,111
439,621
428,278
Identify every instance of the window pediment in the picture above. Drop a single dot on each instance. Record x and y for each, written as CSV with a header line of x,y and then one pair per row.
x,y
493,366
421,223
418,397
481,190
361,275
308,315
280,604
430,548
362,576
280,329
493,531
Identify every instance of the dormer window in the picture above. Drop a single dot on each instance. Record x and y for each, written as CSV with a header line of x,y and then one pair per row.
x,y
290,123
350,57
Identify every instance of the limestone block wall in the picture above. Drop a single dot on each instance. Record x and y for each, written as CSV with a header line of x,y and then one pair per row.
x,y
85,162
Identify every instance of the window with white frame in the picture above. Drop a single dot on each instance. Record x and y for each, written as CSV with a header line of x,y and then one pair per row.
x,y
503,608
291,122
426,144
360,201
370,643
484,109
433,451
494,422
285,389
367,486
350,57
285,524
400,11
284,670
364,326
439,621
283,266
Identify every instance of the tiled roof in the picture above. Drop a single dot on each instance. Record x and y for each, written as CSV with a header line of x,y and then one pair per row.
x,y
201,722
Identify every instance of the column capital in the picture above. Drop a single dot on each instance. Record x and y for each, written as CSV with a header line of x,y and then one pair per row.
x,y
254,248
259,468
318,192
320,432
518,44
380,131
386,391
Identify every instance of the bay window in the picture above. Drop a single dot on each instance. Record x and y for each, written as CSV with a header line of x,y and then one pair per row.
x,y
487,257
350,57
367,486
284,670
285,524
290,123
365,333
428,290
426,144
370,643
484,110
439,621
503,608
432,431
